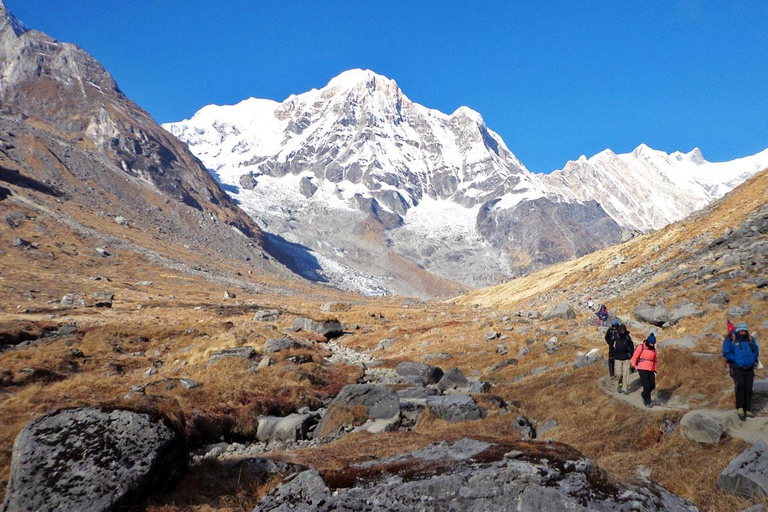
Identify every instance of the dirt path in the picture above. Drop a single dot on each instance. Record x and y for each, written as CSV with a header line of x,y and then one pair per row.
x,y
662,400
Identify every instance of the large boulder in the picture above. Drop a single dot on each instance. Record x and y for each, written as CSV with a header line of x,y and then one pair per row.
x,y
470,475
280,344
453,379
328,328
561,310
654,315
747,474
233,353
92,459
357,403
684,311
419,373
701,427
454,407
266,315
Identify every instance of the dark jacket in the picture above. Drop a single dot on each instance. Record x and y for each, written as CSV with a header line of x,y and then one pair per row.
x,y
624,348
741,352
610,335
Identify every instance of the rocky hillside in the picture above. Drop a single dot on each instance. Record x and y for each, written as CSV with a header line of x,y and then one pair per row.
x,y
72,143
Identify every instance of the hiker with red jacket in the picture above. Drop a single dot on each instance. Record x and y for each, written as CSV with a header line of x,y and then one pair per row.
x,y
602,315
646,360
622,353
741,352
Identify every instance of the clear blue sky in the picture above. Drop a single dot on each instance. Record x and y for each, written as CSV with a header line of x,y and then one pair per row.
x,y
554,79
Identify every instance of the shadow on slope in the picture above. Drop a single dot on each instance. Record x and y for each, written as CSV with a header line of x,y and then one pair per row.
x,y
296,257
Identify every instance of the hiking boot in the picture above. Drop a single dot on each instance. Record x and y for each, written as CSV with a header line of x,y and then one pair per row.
x,y
618,389
749,414
741,414
648,404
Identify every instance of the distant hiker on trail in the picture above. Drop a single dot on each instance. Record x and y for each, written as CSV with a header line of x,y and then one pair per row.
x,y
645,359
622,352
602,315
611,335
590,303
741,352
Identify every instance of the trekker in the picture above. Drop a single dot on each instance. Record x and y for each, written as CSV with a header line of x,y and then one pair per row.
x,y
610,338
645,359
590,303
602,315
622,351
741,352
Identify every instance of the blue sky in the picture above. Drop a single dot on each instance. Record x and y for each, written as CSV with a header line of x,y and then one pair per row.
x,y
555,79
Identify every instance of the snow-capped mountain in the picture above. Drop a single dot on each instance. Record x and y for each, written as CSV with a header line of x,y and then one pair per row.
x,y
648,189
381,193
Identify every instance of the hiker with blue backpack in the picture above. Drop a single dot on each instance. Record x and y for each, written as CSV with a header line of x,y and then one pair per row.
x,y
742,353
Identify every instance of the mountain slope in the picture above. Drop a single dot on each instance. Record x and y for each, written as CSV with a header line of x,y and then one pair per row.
x,y
67,130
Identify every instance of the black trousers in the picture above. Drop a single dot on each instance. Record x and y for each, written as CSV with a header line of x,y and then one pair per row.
x,y
743,380
648,379
611,362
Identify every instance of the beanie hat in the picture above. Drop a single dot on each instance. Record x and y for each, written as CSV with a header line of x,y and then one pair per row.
x,y
651,340
614,322
742,326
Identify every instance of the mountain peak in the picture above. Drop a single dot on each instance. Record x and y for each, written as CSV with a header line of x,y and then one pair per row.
x,y
362,78
7,18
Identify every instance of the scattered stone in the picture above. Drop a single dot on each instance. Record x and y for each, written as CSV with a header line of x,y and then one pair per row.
x,y
384,344
702,428
247,181
478,386
523,351
236,353
265,362
501,349
229,295
721,298
285,429
380,426
72,299
328,328
306,187
654,315
280,344
121,220
92,459
66,330
102,299
587,359
740,310
144,283
453,379
419,373
335,307
546,427
454,408
539,369
551,345
439,356
21,243
561,310
102,251
380,401
684,311
503,364
266,315
299,359
492,335
747,474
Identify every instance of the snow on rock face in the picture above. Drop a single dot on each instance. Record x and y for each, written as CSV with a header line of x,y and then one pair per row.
x,y
648,189
441,190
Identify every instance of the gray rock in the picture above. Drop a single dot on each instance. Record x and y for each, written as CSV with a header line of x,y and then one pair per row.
x,y
92,459
102,299
306,187
236,352
419,373
492,335
551,345
328,328
478,386
72,299
266,315
539,369
654,315
684,311
503,364
418,393
336,307
453,379
721,298
247,181
385,344
740,310
586,360
279,344
381,401
747,474
501,349
437,357
702,428
470,475
454,408
561,310
546,427
290,428
523,351
143,283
